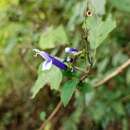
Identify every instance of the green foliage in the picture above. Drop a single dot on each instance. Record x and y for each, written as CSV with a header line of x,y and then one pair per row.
x,y
98,6
5,4
74,118
42,116
118,108
128,77
98,30
121,5
53,37
53,77
67,91
76,14
50,25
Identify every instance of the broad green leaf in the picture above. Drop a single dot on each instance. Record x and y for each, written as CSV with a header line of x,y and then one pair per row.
x,y
67,91
52,77
99,6
98,29
123,5
77,14
53,37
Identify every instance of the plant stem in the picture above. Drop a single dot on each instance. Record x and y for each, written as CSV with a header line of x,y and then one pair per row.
x,y
113,74
57,108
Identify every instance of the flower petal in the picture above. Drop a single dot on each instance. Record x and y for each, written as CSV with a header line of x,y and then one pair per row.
x,y
46,65
71,50
45,55
49,60
58,63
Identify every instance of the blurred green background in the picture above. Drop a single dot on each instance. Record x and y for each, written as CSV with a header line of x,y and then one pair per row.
x,y
52,25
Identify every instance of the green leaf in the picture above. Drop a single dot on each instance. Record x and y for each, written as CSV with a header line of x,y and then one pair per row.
x,y
67,91
42,116
77,14
98,29
118,107
85,88
53,37
99,6
52,77
98,111
123,5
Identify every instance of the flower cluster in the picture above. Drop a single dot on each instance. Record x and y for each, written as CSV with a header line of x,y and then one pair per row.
x,y
51,60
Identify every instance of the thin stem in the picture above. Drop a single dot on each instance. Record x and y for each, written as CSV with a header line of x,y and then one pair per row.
x,y
113,74
79,69
126,98
78,53
85,75
57,108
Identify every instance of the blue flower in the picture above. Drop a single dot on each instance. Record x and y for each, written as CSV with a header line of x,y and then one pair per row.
x,y
50,60
71,50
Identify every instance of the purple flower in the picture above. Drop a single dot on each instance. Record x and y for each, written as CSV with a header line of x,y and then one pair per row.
x,y
50,60
71,50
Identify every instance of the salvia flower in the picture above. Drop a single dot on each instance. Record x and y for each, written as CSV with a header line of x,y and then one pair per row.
x,y
50,60
71,50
